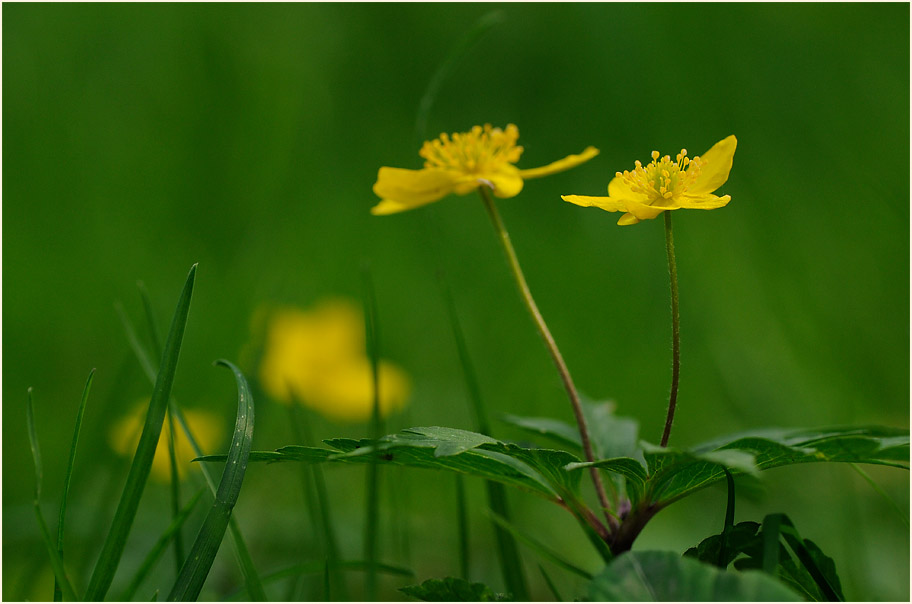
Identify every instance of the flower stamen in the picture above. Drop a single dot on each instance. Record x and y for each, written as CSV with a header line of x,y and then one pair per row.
x,y
663,178
478,151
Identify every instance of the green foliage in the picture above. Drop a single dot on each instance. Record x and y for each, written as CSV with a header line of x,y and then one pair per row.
x,y
665,576
199,561
114,545
754,546
453,590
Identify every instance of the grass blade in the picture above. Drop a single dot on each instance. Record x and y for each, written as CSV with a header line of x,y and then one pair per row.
x,y
58,594
152,325
507,550
55,559
242,554
160,546
542,549
114,545
879,490
551,586
199,561
462,527
376,431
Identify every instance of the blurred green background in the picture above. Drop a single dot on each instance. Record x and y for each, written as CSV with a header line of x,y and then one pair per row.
x,y
139,139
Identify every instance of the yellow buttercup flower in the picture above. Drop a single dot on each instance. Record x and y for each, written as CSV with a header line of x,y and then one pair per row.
x,y
318,358
664,184
461,163
208,430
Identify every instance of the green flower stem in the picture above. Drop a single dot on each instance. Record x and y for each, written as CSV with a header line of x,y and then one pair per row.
x,y
552,348
675,329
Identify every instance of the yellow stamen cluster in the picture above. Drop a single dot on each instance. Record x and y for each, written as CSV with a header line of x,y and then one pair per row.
x,y
663,178
478,151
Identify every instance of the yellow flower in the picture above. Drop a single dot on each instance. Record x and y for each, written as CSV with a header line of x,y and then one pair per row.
x,y
318,358
207,429
460,164
667,185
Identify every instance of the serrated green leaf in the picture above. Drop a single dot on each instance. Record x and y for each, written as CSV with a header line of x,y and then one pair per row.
x,y
665,576
452,589
114,544
199,561
675,474
538,470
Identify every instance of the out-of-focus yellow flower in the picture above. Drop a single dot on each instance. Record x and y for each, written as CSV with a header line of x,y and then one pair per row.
x,y
208,430
318,358
460,164
667,185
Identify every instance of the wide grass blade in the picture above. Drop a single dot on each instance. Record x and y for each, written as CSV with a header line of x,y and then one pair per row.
x,y
160,546
199,561
58,594
242,554
114,545
55,559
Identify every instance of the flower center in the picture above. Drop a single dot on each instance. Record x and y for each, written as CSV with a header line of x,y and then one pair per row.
x,y
662,178
479,151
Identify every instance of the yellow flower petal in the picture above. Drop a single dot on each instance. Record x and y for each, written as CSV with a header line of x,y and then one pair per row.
x,y
610,204
703,202
402,189
560,165
507,182
628,219
643,211
716,164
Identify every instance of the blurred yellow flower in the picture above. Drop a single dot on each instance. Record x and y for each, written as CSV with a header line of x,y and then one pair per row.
x,y
667,185
208,430
318,358
460,164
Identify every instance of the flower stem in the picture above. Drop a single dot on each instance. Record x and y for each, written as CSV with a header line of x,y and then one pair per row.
x,y
675,329
552,347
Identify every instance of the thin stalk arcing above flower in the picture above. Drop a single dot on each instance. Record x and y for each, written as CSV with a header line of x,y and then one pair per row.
x,y
664,184
460,163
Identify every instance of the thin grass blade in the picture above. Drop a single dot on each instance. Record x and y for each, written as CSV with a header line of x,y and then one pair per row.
x,y
462,528
113,548
542,549
879,490
160,546
507,549
251,577
58,594
371,524
550,584
56,561
199,561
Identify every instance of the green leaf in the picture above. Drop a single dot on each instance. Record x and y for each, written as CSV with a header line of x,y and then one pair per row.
x,y
58,594
114,545
199,561
160,546
538,470
674,474
453,590
741,536
665,576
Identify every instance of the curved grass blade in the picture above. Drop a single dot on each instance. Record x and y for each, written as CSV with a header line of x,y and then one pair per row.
x,y
114,545
160,546
240,547
55,559
58,594
452,60
879,490
550,584
199,561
